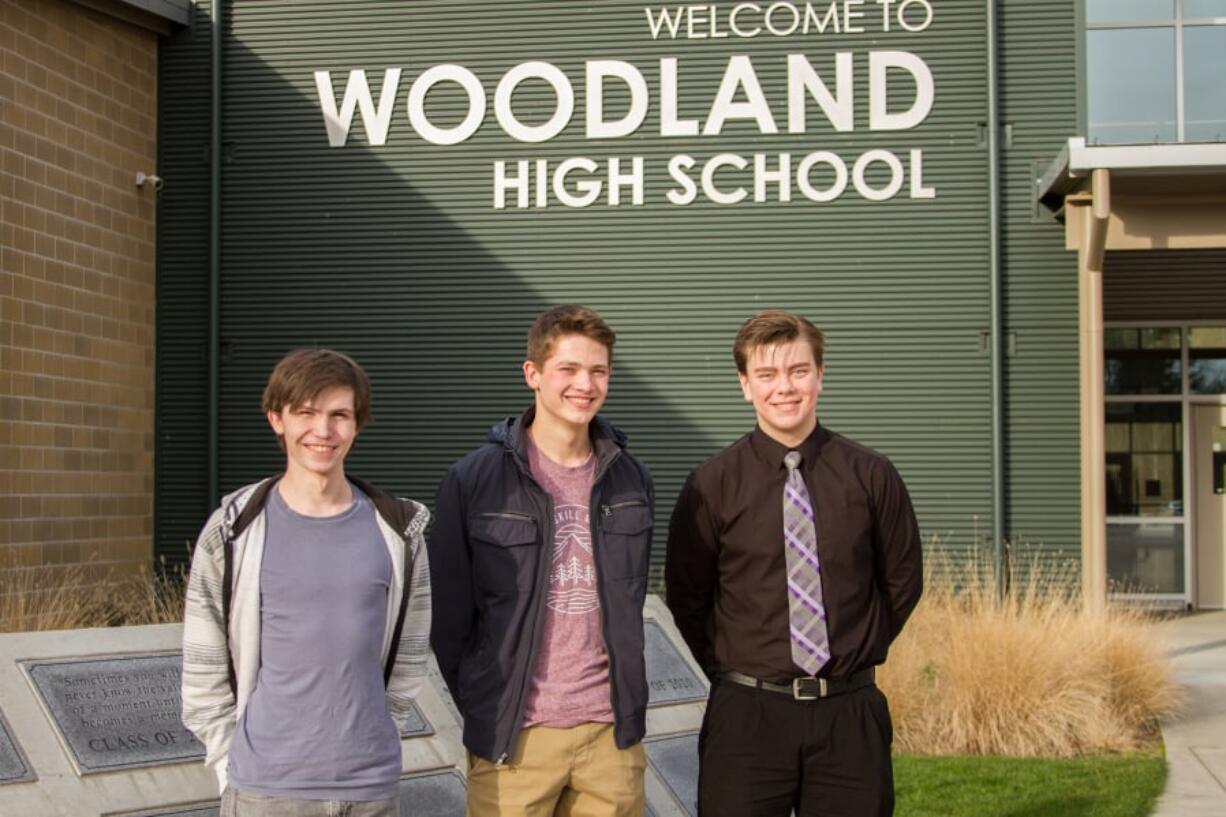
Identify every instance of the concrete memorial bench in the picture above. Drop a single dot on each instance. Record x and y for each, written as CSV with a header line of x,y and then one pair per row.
x,y
89,727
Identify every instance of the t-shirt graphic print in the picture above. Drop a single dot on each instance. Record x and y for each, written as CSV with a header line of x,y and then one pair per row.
x,y
572,582
570,680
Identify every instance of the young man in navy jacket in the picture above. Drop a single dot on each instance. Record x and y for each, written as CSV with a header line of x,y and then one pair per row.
x,y
539,558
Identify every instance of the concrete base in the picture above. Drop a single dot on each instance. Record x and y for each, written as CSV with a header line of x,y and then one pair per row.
x,y
188,788
1196,738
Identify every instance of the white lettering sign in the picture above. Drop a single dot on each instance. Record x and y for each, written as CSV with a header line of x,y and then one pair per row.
x,y
817,95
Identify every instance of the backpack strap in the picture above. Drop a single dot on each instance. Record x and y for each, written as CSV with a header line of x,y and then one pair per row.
x,y
396,631
398,513
232,529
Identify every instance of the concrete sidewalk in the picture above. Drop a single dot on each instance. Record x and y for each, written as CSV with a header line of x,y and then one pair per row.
x,y
1196,738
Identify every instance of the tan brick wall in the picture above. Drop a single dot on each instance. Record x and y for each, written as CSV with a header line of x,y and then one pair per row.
x,y
78,95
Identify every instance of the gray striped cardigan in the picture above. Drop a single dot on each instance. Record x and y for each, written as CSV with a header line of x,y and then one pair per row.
x,y
211,706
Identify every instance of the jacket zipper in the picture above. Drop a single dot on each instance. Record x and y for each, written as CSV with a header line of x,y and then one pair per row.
x,y
508,515
598,547
607,510
541,587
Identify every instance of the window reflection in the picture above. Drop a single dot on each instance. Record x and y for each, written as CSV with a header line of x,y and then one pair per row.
x,y
1207,360
1131,74
1144,459
1142,361
1193,9
1145,558
1136,72
1204,64
1118,11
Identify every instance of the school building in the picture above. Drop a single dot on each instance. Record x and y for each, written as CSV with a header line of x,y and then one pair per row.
x,y
1009,217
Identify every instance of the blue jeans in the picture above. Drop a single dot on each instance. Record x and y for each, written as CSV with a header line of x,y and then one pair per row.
x,y
236,803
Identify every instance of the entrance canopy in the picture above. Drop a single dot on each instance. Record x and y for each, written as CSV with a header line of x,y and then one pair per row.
x,y
1158,196
1129,198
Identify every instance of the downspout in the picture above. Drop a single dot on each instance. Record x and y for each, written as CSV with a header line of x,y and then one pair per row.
x,y
994,308
215,257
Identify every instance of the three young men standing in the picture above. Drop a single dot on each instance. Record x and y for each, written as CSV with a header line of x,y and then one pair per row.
x,y
793,562
540,550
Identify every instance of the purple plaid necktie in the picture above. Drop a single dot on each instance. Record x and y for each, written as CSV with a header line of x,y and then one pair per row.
x,y
806,613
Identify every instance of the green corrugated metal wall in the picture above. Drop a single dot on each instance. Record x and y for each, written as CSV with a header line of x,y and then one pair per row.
x,y
1039,104
395,254
181,415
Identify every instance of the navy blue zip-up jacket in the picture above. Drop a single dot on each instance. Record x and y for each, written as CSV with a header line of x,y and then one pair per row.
x,y
490,554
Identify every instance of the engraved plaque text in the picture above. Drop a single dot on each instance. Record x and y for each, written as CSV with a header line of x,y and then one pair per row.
x,y
669,678
116,713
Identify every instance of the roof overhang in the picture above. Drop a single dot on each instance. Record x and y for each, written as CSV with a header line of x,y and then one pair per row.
x,y
1200,166
162,16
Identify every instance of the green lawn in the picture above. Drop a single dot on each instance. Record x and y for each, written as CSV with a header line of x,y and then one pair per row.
x,y
1104,786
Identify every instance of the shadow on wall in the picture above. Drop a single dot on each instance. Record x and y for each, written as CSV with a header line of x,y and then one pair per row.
x,y
396,253
342,247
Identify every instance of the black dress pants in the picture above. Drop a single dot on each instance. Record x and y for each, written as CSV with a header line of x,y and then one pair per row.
x,y
763,754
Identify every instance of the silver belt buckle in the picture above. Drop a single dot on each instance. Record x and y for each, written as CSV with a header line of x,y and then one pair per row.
x,y
808,689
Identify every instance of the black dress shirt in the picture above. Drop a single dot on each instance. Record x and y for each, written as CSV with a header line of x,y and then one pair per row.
x,y
726,570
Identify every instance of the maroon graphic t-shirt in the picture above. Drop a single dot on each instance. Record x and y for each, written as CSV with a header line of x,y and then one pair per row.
x,y
570,683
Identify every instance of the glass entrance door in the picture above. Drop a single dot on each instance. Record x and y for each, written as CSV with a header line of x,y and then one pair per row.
x,y
1209,461
1165,463
1145,515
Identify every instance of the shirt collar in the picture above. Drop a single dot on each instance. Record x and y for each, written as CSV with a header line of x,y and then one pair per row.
x,y
771,451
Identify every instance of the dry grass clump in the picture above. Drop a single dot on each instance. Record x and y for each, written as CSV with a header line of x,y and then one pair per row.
x,y
64,598
41,598
1034,674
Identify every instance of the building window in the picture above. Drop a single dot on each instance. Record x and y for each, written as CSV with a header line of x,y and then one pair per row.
x,y
1207,359
1144,459
1153,373
1142,361
1156,71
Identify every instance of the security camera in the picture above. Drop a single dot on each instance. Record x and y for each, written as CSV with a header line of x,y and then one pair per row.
x,y
143,178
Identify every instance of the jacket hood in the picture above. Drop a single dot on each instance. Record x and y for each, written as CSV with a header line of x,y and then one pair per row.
x,y
508,431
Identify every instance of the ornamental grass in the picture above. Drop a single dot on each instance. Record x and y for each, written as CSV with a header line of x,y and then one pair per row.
x,y
1035,674
67,597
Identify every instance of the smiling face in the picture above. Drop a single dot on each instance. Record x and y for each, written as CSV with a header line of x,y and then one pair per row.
x,y
571,383
783,382
318,433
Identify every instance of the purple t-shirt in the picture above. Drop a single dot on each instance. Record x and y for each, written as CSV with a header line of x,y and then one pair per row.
x,y
317,725
570,683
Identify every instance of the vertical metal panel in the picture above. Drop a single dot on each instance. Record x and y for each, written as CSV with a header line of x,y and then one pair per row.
x,y
180,490
1039,104
395,254
1174,285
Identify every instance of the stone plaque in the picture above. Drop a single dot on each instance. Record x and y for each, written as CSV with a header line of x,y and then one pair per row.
x,y
434,794
675,759
116,713
415,724
669,677
13,765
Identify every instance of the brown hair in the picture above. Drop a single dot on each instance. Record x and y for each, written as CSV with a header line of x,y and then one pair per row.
x,y
566,320
303,374
773,326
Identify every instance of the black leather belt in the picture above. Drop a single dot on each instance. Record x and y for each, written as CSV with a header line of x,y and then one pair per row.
x,y
806,688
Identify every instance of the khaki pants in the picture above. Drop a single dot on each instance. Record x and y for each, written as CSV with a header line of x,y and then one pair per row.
x,y
575,772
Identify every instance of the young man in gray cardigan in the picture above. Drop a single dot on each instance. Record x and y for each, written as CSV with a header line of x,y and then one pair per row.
x,y
308,613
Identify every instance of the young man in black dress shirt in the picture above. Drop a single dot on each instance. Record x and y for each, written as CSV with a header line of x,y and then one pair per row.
x,y
793,562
